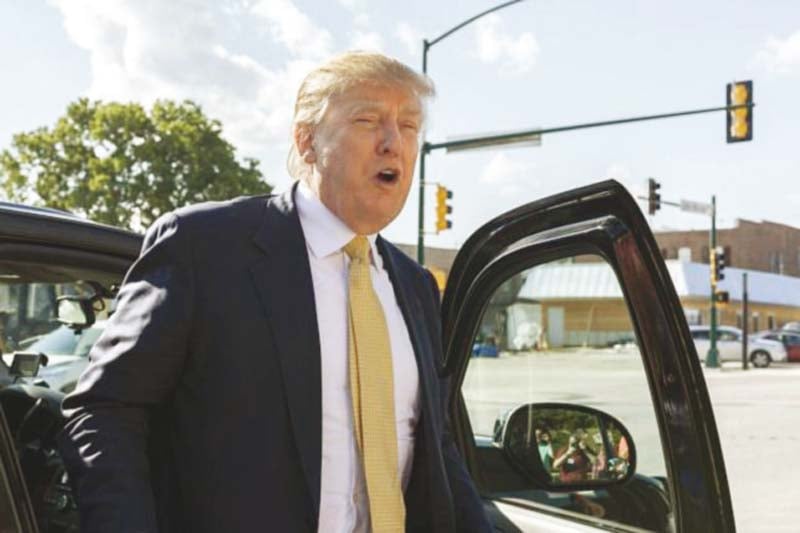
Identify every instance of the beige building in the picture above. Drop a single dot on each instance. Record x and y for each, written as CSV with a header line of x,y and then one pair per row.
x,y
581,304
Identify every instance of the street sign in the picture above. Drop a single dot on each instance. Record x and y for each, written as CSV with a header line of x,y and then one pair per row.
x,y
489,141
695,207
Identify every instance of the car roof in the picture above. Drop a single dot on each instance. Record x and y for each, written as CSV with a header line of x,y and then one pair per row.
x,y
34,209
24,223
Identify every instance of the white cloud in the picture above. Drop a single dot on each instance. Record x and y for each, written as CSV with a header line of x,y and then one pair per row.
x,y
294,29
142,50
506,176
364,40
410,37
495,46
781,56
361,20
354,5
617,171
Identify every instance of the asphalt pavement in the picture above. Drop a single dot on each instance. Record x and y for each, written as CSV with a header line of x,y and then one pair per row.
x,y
757,413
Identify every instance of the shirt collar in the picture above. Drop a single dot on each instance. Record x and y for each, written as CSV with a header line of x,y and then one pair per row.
x,y
325,233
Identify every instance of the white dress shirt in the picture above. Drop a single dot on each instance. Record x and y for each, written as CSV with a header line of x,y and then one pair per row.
x,y
343,503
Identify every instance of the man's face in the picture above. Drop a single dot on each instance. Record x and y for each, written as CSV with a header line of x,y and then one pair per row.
x,y
364,154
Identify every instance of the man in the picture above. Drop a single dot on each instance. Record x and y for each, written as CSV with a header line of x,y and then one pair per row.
x,y
575,461
272,362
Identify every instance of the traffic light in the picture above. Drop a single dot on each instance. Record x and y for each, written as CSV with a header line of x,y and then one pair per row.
x,y
712,264
740,121
443,208
722,297
719,265
653,198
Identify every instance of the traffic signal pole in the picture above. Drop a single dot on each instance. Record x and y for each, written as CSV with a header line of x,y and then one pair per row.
x,y
426,45
745,321
712,358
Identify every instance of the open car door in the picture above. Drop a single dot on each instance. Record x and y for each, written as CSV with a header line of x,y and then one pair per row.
x,y
578,400
50,262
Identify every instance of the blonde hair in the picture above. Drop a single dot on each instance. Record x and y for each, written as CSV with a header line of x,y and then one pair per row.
x,y
337,76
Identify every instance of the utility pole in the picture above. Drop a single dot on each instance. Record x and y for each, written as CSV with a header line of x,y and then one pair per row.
x,y
712,358
745,321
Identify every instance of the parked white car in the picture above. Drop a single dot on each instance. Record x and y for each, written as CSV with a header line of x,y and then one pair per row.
x,y
761,351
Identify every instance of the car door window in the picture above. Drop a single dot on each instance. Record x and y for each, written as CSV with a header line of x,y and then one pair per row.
x,y
561,332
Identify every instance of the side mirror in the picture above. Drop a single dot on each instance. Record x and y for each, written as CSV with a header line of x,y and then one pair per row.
x,y
75,312
566,447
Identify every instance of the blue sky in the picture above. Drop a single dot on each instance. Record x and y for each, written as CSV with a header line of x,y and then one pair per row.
x,y
534,64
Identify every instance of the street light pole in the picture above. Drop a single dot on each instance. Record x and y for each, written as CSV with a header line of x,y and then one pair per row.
x,y
712,359
423,153
426,45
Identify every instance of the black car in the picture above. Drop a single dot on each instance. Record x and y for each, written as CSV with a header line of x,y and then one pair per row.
x,y
578,433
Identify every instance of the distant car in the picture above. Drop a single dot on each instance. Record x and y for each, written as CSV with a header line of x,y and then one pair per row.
x,y
67,352
789,338
762,351
791,326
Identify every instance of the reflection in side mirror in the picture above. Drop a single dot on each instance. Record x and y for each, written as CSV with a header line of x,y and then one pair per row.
x,y
567,447
75,312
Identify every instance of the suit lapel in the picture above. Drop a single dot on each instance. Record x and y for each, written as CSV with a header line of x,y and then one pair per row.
x,y
282,278
428,496
405,285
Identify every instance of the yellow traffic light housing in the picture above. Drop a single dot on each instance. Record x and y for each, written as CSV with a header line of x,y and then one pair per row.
x,y
443,208
712,260
740,121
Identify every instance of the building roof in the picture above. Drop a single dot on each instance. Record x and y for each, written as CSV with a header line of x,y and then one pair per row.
x,y
597,280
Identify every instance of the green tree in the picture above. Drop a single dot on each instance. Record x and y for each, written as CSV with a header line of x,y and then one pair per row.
x,y
117,164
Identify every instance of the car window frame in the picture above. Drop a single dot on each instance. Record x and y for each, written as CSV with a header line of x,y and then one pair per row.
x,y
602,219
13,481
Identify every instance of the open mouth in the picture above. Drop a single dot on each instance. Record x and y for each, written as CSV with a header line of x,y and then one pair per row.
x,y
389,175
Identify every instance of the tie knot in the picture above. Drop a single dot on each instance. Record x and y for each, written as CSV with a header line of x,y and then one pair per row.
x,y
358,248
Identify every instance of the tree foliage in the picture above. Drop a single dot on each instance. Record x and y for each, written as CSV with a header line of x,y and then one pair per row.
x,y
117,164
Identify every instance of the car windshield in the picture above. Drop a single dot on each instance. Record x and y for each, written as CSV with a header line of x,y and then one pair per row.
x,y
28,307
67,341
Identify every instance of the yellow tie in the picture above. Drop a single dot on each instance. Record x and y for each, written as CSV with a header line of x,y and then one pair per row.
x,y
372,392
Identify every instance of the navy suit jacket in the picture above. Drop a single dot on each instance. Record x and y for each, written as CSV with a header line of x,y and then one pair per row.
x,y
201,411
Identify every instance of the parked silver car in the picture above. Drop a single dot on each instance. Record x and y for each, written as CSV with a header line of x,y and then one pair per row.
x,y
761,351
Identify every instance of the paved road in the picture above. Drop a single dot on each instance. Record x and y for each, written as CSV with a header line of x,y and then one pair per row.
x,y
758,418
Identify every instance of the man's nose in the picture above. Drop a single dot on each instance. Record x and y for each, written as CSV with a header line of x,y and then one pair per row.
x,y
391,140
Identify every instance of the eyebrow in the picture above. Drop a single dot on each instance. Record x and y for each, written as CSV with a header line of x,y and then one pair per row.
x,y
363,106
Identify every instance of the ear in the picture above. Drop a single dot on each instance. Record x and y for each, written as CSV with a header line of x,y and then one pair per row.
x,y
303,142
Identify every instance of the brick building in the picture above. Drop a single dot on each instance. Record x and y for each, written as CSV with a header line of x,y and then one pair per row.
x,y
763,246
